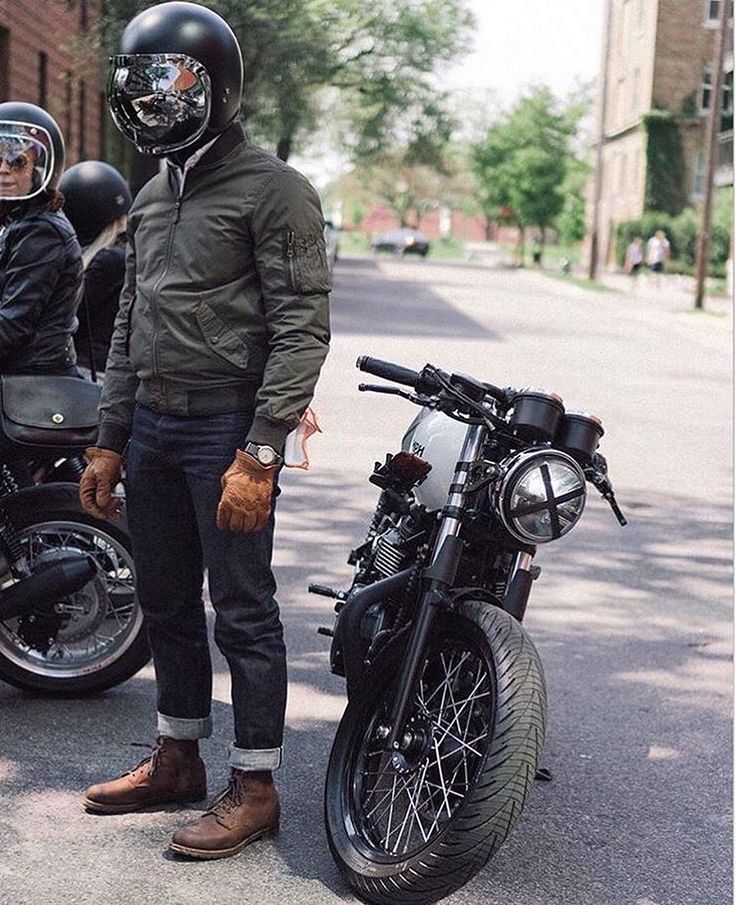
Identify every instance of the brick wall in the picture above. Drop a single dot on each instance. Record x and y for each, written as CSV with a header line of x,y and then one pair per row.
x,y
684,46
47,58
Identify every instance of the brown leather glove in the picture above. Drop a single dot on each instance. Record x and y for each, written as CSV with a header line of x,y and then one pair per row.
x,y
98,481
247,487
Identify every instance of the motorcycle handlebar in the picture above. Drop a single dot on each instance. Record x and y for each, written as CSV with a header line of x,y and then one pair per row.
x,y
388,371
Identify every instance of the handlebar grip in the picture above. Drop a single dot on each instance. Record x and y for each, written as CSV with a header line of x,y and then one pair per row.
x,y
388,371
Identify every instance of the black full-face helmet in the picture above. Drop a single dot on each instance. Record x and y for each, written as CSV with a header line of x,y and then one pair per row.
x,y
179,77
31,151
95,195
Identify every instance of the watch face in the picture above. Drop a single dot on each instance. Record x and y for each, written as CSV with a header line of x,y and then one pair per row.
x,y
266,456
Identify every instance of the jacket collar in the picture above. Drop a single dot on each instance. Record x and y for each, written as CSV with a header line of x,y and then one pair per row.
x,y
225,144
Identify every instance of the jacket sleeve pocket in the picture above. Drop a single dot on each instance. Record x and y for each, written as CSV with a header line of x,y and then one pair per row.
x,y
221,339
307,262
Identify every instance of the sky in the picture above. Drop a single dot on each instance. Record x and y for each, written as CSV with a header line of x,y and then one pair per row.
x,y
515,44
518,43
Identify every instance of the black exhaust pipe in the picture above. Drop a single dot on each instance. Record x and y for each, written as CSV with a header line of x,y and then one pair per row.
x,y
47,586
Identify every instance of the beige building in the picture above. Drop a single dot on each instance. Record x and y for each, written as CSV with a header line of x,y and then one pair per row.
x,y
660,55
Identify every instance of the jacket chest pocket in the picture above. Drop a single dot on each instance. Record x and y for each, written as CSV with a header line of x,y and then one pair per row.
x,y
307,262
220,338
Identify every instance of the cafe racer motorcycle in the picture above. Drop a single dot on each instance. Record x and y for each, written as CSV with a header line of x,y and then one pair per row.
x,y
440,741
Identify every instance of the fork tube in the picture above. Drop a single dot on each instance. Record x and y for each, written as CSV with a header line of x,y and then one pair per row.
x,y
438,577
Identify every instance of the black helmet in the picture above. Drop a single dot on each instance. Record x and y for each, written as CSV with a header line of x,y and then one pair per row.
x,y
95,195
179,76
31,151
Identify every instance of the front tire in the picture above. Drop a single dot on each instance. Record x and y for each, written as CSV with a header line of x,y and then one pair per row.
x,y
416,836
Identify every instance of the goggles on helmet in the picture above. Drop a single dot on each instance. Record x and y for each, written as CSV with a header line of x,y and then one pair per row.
x,y
26,160
161,102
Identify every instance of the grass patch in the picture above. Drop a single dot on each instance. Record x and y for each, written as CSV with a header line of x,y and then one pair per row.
x,y
582,282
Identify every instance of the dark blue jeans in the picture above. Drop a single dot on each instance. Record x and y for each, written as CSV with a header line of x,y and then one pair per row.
x,y
174,467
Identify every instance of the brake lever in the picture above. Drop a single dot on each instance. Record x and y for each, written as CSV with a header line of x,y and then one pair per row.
x,y
393,391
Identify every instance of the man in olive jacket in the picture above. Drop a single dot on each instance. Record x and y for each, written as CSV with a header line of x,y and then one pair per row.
x,y
221,333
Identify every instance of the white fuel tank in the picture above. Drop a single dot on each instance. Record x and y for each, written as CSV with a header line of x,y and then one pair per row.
x,y
438,440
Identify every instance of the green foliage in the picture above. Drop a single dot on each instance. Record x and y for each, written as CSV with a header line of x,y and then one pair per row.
x,y
570,222
522,165
666,185
379,57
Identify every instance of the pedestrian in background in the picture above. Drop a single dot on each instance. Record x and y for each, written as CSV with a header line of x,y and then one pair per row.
x,y
634,258
658,251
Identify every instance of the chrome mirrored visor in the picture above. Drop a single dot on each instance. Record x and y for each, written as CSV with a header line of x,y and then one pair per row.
x,y
161,102
26,160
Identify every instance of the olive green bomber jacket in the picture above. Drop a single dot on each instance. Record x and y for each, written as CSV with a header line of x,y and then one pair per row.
x,y
225,302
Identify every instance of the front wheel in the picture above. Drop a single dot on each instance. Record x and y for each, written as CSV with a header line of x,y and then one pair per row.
x,y
415,832
93,639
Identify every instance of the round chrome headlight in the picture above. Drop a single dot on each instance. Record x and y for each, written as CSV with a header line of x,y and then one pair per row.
x,y
539,496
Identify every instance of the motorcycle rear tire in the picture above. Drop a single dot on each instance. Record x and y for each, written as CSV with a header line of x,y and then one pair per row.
x,y
130,661
496,795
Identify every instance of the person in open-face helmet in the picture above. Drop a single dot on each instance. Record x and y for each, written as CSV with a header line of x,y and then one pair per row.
x,y
40,258
96,201
222,331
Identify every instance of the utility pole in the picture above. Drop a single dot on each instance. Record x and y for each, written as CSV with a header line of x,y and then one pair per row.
x,y
712,130
598,181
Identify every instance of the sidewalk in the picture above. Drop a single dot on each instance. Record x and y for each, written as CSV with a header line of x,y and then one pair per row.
x,y
673,291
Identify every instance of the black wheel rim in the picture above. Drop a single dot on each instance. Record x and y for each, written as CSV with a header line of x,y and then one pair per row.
x,y
394,814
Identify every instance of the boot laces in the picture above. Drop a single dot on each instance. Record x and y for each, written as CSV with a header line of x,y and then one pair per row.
x,y
232,797
153,759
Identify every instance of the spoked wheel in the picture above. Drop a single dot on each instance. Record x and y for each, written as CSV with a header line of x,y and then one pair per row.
x,y
413,828
92,639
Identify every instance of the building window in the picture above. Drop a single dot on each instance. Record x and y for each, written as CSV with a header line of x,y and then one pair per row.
x,y
706,89
727,107
68,105
4,58
699,175
81,119
727,101
43,79
635,104
713,11
102,110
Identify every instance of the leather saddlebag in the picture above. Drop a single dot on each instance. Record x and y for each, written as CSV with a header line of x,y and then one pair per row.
x,y
44,410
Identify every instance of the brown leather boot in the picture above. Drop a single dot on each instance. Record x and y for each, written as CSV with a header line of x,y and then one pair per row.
x,y
174,772
245,811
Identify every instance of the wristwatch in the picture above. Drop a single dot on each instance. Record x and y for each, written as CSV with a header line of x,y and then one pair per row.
x,y
264,455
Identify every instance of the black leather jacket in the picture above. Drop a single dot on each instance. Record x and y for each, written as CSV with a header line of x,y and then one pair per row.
x,y
40,288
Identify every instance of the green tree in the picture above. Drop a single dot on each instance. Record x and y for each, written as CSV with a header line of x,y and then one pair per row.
x,y
379,57
525,158
570,222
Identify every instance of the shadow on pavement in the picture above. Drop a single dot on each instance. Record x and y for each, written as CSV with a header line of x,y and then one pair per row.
x,y
409,306
639,721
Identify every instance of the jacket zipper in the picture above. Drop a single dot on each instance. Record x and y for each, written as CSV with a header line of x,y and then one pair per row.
x,y
290,258
167,262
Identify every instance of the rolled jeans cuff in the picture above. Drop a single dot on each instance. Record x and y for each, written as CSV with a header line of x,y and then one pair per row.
x,y
181,729
254,758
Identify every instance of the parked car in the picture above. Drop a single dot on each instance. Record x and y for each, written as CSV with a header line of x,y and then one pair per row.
x,y
404,241
331,243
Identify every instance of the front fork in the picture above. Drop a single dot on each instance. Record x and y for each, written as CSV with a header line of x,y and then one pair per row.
x,y
438,577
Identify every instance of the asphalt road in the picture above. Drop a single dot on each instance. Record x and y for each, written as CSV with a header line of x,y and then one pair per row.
x,y
633,625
